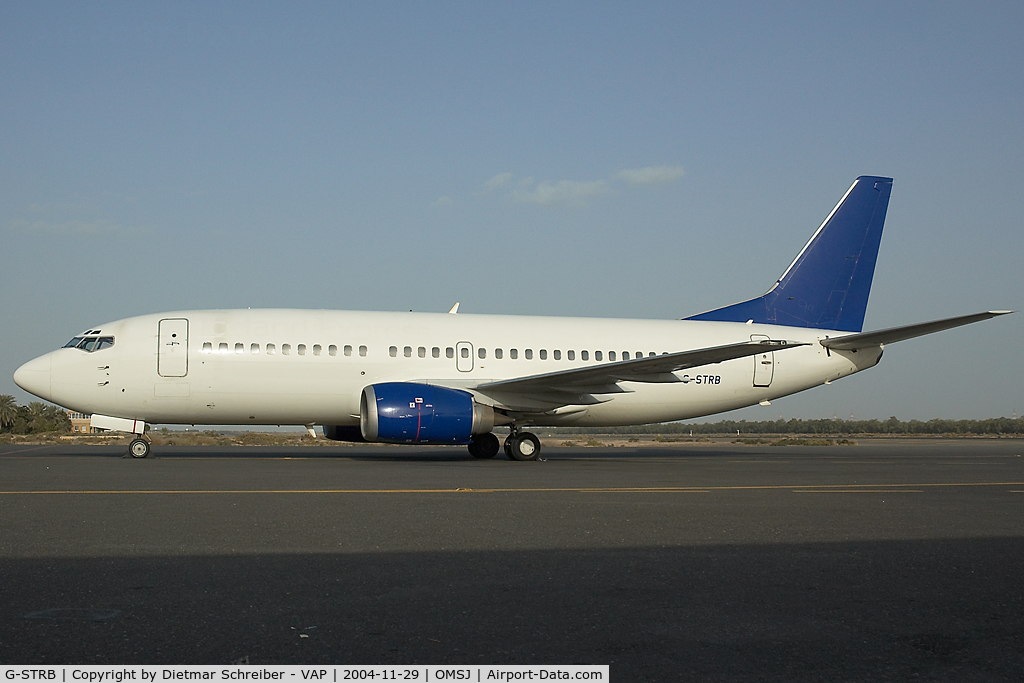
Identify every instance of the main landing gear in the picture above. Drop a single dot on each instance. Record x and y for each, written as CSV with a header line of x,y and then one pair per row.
x,y
484,446
521,445
518,445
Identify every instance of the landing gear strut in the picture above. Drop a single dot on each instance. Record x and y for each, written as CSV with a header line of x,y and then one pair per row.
x,y
521,445
484,446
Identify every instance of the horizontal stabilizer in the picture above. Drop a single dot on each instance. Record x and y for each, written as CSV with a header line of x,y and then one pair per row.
x,y
895,334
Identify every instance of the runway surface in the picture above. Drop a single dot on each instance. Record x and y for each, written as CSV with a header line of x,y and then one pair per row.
x,y
882,561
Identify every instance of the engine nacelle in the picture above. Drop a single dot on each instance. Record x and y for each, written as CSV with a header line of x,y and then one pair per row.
x,y
406,412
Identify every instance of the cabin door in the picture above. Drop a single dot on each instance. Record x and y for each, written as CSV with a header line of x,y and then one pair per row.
x,y
172,355
764,364
464,356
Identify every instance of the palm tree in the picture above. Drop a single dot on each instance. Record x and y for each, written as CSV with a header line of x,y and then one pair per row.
x,y
37,421
8,410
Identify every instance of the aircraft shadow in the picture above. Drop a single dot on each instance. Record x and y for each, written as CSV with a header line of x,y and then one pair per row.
x,y
928,610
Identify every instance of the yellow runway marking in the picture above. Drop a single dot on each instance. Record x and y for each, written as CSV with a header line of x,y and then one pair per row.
x,y
858,491
808,488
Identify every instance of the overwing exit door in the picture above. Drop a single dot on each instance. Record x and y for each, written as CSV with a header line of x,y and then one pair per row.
x,y
764,364
464,356
172,355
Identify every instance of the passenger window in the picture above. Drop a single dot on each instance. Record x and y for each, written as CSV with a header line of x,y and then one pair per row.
x,y
652,354
598,355
557,354
611,355
207,347
529,354
465,352
625,355
302,349
316,349
543,354
393,351
571,355
362,350
254,348
421,352
332,350
481,353
286,349
435,352
407,351
513,353
239,347
449,352
271,349
348,349
498,353
223,347
584,355
639,354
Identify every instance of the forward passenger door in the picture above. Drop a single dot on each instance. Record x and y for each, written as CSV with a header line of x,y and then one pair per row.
x,y
172,355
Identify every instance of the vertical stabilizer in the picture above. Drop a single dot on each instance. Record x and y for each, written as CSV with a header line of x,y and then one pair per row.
x,y
828,284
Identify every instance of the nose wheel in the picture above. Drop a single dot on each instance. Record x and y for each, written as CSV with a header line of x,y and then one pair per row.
x,y
138,448
522,446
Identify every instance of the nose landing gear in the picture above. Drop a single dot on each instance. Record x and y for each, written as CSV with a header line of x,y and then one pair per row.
x,y
138,448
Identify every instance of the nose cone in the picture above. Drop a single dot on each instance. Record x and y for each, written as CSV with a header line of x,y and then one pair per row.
x,y
34,377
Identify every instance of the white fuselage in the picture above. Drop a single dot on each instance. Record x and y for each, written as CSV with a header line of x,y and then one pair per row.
x,y
277,366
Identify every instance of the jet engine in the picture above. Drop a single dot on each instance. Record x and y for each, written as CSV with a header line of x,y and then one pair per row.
x,y
406,412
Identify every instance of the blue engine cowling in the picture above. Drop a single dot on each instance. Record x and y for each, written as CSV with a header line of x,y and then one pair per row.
x,y
406,412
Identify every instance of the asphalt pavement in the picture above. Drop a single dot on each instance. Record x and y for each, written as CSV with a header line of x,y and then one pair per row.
x,y
887,560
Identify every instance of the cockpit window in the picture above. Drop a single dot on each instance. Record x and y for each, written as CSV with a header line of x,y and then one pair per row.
x,y
90,344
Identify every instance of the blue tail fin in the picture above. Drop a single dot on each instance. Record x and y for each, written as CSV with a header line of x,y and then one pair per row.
x,y
828,283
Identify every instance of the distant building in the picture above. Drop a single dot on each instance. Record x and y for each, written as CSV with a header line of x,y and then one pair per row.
x,y
80,423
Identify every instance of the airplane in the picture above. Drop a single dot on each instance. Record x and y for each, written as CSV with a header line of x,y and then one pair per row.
x,y
451,378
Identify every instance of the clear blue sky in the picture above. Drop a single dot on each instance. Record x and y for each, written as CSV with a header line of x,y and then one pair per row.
x,y
621,160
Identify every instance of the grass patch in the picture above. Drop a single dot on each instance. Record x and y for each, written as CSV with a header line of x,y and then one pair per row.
x,y
590,442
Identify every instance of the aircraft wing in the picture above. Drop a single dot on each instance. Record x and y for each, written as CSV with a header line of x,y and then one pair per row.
x,y
577,387
895,334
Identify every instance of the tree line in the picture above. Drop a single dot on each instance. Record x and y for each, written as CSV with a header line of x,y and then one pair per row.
x,y
35,418
995,426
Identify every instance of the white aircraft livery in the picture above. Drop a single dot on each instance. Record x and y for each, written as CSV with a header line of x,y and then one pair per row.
x,y
448,378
